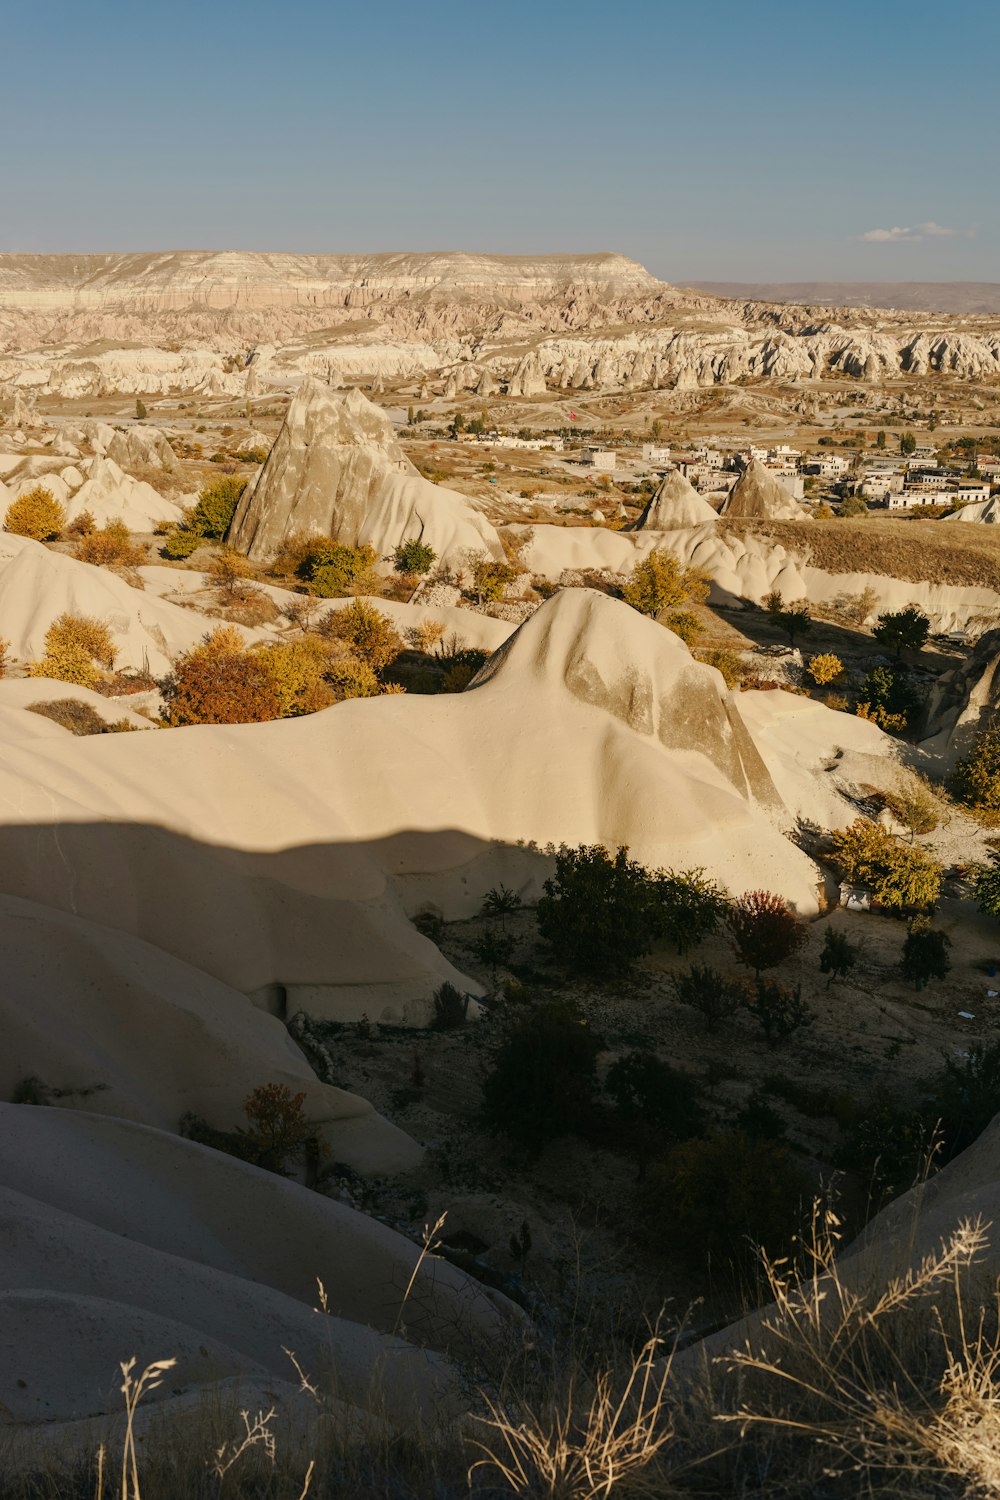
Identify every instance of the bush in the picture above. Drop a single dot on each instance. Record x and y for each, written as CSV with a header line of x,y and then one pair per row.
x,y
414,556
352,679
682,623
82,525
543,1077
925,953
905,630
915,805
765,930
779,1011
709,992
986,885
180,544
112,546
976,781
965,1096
4,656
36,514
659,583
887,699
278,1127
451,1009
372,636
490,579
825,669
334,571
297,672
599,911
76,646
213,514
691,906
839,955
650,1093
900,877
725,661
72,714
716,1199
227,570
220,682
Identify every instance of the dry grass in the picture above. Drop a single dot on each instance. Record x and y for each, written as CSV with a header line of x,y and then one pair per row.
x,y
948,552
847,1390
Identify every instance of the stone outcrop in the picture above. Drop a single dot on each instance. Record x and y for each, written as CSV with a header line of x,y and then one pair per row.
x,y
336,469
675,504
963,701
758,496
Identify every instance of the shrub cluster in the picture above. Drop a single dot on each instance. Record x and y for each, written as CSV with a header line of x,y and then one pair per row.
x,y
77,647
900,877
601,911
224,681
35,514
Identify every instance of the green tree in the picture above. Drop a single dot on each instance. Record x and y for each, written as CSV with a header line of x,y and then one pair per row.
x,y
925,953
839,955
907,443
853,507
543,1077
900,877
976,780
691,906
706,990
140,410
717,1199
600,911
213,514
659,582
414,556
793,619
986,886
880,438
903,630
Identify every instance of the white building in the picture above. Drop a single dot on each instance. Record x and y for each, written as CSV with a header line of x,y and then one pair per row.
x,y
604,460
878,486
827,465
655,454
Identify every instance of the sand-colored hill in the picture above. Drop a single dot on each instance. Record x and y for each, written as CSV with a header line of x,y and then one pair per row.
x,y
675,505
758,496
591,724
121,1238
336,469
117,1025
37,585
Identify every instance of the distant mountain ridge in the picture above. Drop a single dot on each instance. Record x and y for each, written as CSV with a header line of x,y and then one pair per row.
x,y
907,296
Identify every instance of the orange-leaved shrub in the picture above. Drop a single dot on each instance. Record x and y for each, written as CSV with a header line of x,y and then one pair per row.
x,y
220,682
367,631
36,514
111,546
297,671
76,648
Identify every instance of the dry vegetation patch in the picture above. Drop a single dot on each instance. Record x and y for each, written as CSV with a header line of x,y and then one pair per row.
x,y
947,552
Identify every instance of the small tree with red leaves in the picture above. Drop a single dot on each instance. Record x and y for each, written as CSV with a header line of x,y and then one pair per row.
x,y
765,930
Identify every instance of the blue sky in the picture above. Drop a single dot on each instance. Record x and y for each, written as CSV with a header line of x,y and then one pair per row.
x,y
720,141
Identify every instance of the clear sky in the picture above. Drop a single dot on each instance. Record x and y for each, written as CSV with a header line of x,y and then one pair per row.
x,y
725,140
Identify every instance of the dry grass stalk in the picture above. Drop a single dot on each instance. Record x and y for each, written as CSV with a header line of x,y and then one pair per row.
x,y
569,1455
133,1389
857,1371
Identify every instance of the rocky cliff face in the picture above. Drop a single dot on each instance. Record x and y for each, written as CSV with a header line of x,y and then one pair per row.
x,y
96,324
